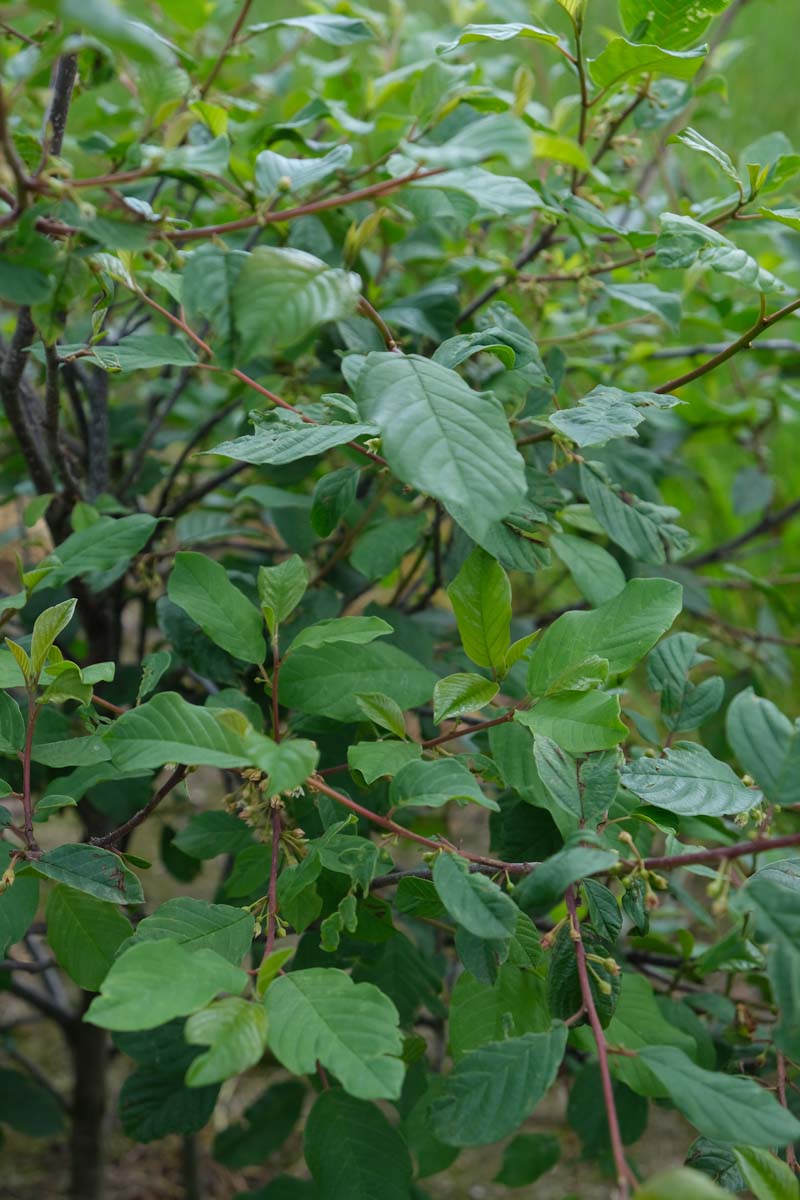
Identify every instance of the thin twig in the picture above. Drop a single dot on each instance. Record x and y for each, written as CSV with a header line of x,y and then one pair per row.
x,y
117,835
226,49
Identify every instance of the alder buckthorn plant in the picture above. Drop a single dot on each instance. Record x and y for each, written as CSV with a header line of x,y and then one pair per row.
x,y
400,510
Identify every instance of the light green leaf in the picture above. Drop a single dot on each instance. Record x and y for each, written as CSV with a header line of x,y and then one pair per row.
x,y
326,681
683,1182
641,528
622,60
766,1175
84,935
357,630
353,1152
72,752
52,803
201,587
91,869
481,599
689,781
209,282
684,241
320,1014
461,693
333,29
297,290
694,140
199,925
174,981
622,631
473,900
274,173
236,1032
281,588
433,784
288,763
282,437
167,729
498,33
47,626
578,721
674,24
647,298
375,760
726,1108
607,413
491,1091
383,711
140,352
441,437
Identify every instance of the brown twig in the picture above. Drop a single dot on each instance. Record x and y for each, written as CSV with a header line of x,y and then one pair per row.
x,y
122,831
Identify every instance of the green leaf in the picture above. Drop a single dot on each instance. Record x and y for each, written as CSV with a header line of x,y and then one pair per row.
x,y
473,900
167,729
107,545
139,352
481,1012
199,925
498,33
578,721
84,935
767,1176
47,626
491,1091
283,437
527,1158
208,287
441,437
333,29
597,575
12,725
91,869
607,413
585,790
274,173
622,631
481,599
622,60
356,630
326,681
288,764
726,1108
18,905
201,587
374,760
383,711
298,290
647,298
674,24
174,980
683,1182
211,833
684,705
689,781
154,1100
684,241
236,1032
461,693
28,1107
767,745
382,548
547,883
353,1152
333,495
281,588
433,784
320,1014
694,140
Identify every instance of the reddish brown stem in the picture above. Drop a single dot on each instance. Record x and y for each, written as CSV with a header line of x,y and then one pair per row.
x,y
226,49
717,853
27,802
624,1174
272,895
791,1157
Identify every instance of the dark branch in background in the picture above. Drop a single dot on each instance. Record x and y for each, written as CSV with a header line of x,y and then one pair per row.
x,y
226,49
117,835
522,260
767,524
150,434
59,456
764,346
202,489
64,74
23,419
193,441
96,388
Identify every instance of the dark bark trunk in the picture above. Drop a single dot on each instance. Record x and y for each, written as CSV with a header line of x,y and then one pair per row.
x,y
89,1049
